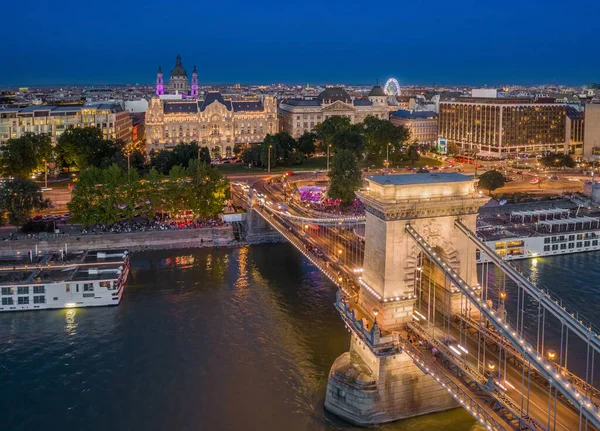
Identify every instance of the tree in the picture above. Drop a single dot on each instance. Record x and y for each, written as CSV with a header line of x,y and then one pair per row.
x,y
306,143
558,161
349,140
281,145
413,153
83,147
452,149
19,198
383,139
205,155
22,156
252,155
328,128
345,177
491,180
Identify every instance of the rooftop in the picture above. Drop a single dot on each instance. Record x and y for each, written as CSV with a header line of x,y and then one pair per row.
x,y
412,179
409,115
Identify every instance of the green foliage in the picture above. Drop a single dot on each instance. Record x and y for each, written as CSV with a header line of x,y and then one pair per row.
x,y
18,199
380,134
306,143
345,177
22,156
281,145
180,155
558,161
491,180
328,128
252,155
349,140
109,195
452,149
413,153
83,147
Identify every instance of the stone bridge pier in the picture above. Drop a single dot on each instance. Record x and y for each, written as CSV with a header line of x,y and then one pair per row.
x,y
368,385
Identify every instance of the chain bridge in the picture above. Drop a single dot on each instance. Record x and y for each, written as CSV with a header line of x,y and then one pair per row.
x,y
430,329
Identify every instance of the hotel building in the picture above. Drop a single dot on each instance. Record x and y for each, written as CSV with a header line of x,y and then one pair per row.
x,y
502,127
214,122
110,118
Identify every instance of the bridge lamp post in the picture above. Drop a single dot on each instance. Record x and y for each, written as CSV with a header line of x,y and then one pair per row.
x,y
551,355
491,366
375,313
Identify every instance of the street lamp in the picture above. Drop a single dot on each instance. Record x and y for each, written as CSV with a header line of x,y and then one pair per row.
x,y
269,159
375,313
551,355
328,147
491,366
387,155
45,173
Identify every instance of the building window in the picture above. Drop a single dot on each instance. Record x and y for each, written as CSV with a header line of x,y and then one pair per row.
x,y
23,300
7,291
39,289
39,299
7,301
546,248
88,287
23,290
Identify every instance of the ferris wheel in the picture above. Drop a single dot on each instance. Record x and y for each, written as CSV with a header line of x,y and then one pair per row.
x,y
392,88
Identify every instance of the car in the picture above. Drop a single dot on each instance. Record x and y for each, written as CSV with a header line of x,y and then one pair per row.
x,y
37,217
409,168
554,178
536,180
289,173
422,171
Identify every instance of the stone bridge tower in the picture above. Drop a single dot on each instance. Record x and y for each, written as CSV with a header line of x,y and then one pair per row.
x,y
367,386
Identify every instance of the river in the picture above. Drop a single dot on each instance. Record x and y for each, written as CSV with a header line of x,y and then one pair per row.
x,y
204,339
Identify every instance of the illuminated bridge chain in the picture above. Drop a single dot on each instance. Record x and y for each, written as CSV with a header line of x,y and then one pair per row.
x,y
552,401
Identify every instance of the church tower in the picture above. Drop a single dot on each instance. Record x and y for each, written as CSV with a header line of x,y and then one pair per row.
x,y
194,92
160,83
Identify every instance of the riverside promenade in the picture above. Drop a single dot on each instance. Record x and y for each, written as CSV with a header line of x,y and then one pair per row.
x,y
215,236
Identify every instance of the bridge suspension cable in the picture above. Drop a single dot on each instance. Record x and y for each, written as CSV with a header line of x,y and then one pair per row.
x,y
543,366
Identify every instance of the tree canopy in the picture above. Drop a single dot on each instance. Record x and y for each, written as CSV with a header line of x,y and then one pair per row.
x,y
345,177
326,130
83,147
558,161
306,143
284,150
18,199
180,155
109,195
383,139
20,157
491,180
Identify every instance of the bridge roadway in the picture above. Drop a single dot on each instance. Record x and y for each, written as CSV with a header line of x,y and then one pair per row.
x,y
531,415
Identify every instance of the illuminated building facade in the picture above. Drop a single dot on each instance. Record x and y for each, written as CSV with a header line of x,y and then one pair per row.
x,y
114,122
297,116
500,128
214,122
574,131
592,131
422,125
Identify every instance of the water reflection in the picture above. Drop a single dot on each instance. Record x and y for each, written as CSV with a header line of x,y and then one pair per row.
x,y
70,323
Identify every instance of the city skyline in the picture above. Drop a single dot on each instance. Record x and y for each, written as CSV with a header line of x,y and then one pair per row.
x,y
475,44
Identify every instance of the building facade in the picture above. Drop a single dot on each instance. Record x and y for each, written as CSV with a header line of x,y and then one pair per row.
x,y
297,116
574,131
422,125
214,122
591,138
499,128
114,122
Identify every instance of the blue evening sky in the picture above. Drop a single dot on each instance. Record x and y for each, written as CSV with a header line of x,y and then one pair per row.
x,y
318,41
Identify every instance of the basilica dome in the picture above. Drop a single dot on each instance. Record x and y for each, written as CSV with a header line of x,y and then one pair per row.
x,y
178,70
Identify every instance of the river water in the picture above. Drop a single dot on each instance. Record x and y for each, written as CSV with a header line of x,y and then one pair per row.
x,y
204,339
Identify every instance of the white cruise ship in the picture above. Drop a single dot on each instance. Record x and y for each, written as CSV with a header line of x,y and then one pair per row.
x,y
536,233
59,280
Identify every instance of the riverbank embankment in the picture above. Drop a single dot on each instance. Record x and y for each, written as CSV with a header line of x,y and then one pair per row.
x,y
169,239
